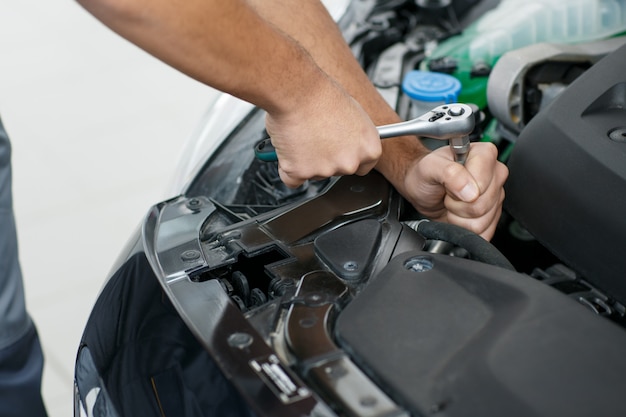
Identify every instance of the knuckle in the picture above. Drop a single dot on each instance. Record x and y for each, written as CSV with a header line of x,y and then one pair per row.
x,y
477,210
348,166
325,171
492,149
503,171
375,152
452,170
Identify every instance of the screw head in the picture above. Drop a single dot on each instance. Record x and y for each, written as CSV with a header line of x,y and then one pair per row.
x,y
419,264
194,204
190,255
240,340
351,266
618,134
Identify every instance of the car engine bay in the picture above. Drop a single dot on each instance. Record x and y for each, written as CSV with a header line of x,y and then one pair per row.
x,y
339,298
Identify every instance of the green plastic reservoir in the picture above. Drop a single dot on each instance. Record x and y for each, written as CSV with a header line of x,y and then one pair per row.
x,y
517,23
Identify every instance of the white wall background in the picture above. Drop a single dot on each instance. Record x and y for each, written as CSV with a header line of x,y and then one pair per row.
x,y
96,126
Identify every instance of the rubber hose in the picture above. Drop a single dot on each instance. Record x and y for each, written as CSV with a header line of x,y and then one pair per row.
x,y
478,248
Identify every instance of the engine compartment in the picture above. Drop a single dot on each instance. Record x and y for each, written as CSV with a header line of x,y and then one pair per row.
x,y
331,299
338,299
461,329
395,38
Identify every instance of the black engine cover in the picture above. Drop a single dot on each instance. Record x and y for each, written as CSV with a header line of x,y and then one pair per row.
x,y
461,338
567,181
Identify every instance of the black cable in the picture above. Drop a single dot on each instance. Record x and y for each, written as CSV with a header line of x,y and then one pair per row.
x,y
478,248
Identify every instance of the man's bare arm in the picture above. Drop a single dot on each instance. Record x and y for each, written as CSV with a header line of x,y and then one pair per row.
x,y
229,46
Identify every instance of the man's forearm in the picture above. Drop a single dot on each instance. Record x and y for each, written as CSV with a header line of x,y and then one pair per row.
x,y
309,23
224,44
272,53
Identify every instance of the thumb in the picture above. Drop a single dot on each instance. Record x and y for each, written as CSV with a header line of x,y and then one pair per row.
x,y
288,180
469,192
459,182
438,168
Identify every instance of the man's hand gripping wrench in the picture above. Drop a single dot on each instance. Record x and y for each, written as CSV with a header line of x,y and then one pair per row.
x,y
452,122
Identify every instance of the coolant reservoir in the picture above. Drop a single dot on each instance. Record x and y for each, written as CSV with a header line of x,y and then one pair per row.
x,y
517,23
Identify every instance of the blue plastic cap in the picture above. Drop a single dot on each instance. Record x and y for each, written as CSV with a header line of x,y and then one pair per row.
x,y
431,86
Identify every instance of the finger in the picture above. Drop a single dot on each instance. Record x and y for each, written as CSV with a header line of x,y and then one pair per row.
x,y
371,152
456,179
481,164
365,168
480,217
289,181
484,226
490,198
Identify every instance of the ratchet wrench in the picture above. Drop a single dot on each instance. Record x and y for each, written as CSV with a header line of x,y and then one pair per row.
x,y
452,122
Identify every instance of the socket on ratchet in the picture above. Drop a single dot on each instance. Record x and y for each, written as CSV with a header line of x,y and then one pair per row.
x,y
452,122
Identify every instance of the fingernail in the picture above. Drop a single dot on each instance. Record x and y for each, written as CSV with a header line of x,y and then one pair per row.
x,y
469,192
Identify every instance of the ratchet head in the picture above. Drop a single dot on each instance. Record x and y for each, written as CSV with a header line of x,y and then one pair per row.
x,y
453,122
